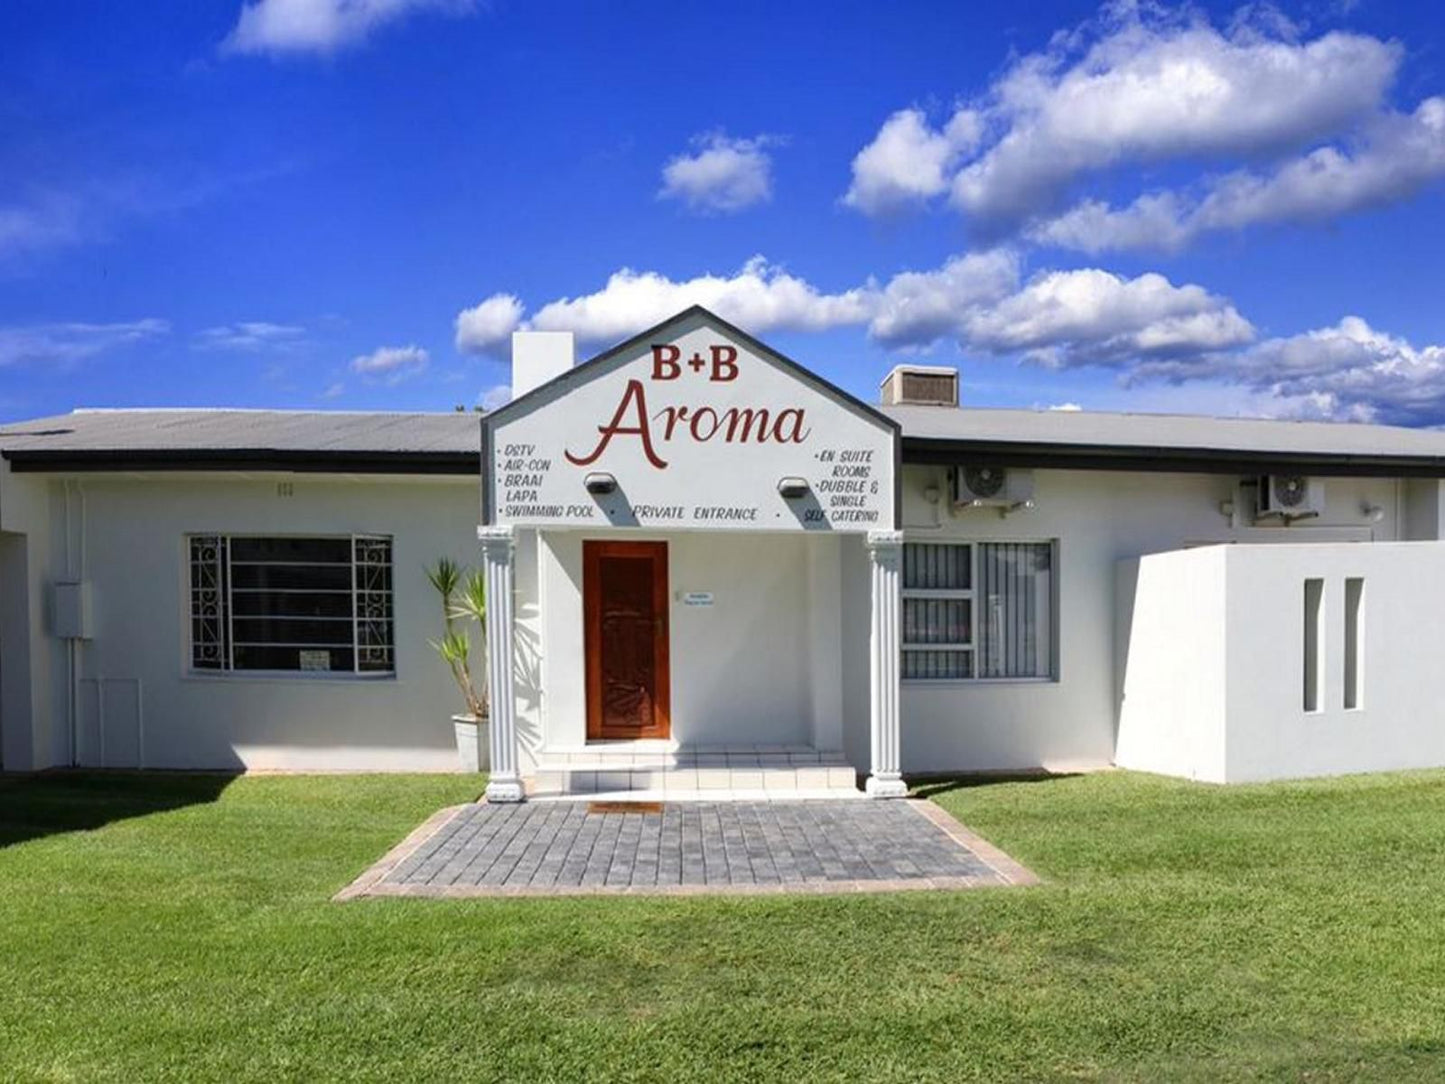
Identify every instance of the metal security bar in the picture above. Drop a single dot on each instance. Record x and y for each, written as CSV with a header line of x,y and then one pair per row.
x,y
978,610
292,604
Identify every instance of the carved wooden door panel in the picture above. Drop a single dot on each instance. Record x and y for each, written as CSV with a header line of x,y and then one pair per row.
x,y
625,610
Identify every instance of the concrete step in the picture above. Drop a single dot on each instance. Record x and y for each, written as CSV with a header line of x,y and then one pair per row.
x,y
589,779
628,756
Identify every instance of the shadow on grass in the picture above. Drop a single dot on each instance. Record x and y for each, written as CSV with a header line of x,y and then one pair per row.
x,y
930,786
52,803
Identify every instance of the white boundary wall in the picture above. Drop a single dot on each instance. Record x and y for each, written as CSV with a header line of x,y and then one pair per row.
x,y
1217,692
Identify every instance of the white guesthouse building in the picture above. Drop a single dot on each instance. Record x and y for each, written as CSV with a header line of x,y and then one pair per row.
x,y
707,564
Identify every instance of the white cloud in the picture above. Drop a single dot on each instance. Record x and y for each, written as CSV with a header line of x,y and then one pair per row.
x,y
760,297
487,327
1175,347
908,161
1094,317
1140,85
1150,92
67,343
49,221
495,397
1349,371
1084,317
1152,221
391,363
917,308
721,174
249,335
1396,157
321,26
334,391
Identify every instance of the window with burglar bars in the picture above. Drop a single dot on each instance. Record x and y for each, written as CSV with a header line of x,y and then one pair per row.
x,y
291,604
978,610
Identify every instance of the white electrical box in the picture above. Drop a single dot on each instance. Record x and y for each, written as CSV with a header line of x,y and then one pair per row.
x,y
70,610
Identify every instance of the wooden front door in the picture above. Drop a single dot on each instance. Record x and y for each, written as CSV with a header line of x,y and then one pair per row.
x,y
624,590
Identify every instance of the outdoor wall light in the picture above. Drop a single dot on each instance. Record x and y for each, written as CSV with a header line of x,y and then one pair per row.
x,y
931,493
599,484
1373,512
793,488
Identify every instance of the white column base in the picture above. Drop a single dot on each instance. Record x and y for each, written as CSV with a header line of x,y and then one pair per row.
x,y
886,785
504,790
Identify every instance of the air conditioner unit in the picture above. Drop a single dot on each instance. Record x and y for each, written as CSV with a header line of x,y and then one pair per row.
x,y
987,485
1290,496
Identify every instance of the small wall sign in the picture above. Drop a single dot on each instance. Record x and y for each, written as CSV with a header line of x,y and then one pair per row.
x,y
697,598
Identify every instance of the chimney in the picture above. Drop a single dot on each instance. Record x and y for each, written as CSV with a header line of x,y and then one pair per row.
x,y
538,356
920,385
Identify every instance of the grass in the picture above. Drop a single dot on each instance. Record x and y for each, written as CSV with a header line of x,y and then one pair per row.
x,y
178,928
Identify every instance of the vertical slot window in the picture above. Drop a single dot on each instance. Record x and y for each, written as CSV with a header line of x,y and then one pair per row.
x,y
1314,644
1354,642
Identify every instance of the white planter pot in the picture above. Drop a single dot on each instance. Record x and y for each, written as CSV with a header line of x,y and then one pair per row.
x,y
474,748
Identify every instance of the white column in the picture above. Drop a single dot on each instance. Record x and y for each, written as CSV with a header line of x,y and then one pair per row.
x,y
885,558
504,784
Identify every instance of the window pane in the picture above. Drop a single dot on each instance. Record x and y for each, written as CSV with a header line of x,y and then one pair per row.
x,y
253,602
291,577
307,630
937,621
937,664
1015,600
322,660
333,551
291,604
937,565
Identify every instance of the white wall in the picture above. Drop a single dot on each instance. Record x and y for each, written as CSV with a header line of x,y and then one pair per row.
x,y
758,665
1098,519
29,666
1216,663
134,672
1424,510
1401,720
1171,647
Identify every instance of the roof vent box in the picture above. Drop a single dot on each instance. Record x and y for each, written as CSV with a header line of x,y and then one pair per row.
x,y
1289,496
988,485
921,385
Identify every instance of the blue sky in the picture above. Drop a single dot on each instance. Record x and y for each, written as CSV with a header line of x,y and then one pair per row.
x,y
350,204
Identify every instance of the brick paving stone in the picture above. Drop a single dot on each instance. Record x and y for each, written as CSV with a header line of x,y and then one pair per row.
x,y
542,847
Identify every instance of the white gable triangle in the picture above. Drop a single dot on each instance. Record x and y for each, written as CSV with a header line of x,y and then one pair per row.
x,y
692,425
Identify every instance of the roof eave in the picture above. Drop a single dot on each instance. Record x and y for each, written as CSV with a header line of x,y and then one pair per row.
x,y
1114,457
309,461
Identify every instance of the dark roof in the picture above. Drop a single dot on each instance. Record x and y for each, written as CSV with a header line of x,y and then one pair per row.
x,y
310,440
1174,442
415,443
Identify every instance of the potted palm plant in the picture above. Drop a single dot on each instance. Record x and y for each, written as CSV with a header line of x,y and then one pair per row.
x,y
464,603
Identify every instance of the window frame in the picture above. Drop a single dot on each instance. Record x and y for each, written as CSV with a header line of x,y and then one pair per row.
x,y
230,673
974,545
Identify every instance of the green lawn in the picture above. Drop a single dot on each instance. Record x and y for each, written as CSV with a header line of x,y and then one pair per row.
x,y
178,928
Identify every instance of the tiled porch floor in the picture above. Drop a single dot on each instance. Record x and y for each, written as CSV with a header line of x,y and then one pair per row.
x,y
562,848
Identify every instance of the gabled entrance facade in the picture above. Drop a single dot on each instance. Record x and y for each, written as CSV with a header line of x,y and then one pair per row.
x,y
686,539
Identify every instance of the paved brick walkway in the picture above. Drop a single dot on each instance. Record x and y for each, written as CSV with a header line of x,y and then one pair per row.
x,y
562,848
